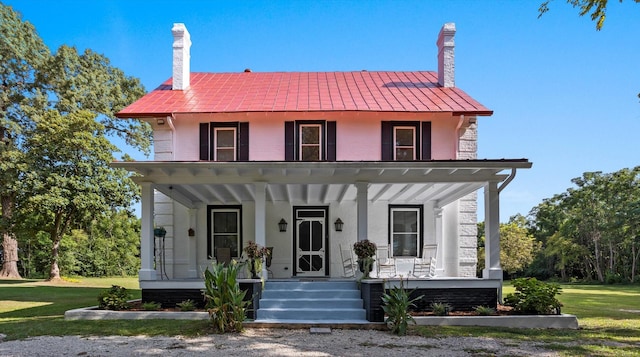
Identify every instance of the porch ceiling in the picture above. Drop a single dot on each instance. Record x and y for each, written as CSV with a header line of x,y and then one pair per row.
x,y
321,182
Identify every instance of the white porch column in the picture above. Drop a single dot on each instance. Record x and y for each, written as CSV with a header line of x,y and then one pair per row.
x,y
363,210
147,270
492,270
193,257
450,240
260,218
437,216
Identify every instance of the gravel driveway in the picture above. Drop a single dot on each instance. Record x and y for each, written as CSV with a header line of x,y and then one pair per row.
x,y
272,342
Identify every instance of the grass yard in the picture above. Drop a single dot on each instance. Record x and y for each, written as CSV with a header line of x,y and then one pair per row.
x,y
609,317
36,308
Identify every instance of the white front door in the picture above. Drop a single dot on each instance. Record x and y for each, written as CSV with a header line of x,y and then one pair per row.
x,y
310,241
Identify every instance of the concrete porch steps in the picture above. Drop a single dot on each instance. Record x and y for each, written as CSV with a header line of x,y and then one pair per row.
x,y
311,302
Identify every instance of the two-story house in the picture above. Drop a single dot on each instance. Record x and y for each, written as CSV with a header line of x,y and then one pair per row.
x,y
305,162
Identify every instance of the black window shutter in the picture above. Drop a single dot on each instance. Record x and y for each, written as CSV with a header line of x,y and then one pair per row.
x,y
204,141
331,141
426,140
387,141
289,141
243,141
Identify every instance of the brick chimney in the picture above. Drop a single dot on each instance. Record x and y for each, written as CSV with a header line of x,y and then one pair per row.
x,y
181,57
446,56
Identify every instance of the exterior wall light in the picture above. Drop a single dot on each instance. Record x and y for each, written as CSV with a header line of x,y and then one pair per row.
x,y
339,225
282,225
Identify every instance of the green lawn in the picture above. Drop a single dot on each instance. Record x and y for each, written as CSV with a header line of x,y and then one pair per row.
x,y
35,308
609,317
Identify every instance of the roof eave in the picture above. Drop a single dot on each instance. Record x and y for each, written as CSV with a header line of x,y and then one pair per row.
x,y
164,114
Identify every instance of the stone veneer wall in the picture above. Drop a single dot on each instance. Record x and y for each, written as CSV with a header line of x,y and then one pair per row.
x,y
468,207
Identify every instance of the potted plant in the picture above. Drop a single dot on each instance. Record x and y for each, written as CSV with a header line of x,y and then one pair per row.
x,y
255,253
365,250
159,232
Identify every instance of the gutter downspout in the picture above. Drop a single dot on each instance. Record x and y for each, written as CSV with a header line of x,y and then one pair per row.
x,y
508,180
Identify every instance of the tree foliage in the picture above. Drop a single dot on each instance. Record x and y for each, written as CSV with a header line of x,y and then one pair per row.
x,y
517,246
592,230
56,112
596,9
21,53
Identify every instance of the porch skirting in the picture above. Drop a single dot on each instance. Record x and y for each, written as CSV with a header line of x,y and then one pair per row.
x,y
170,292
461,294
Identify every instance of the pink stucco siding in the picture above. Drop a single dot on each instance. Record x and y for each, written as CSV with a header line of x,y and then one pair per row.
x,y
358,134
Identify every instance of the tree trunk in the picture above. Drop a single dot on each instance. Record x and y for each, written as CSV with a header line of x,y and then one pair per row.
x,y
54,272
56,236
596,260
9,242
634,260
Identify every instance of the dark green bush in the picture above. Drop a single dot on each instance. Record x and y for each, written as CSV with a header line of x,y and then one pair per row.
x,y
116,298
187,305
614,278
534,297
151,306
441,308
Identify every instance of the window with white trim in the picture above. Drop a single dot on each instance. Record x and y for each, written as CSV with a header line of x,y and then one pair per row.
x,y
404,143
406,140
224,144
311,142
405,226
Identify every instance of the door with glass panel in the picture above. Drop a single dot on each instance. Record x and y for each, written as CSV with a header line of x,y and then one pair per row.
x,y
310,242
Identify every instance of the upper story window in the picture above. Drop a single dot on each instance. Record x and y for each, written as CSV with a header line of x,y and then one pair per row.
x,y
224,141
310,140
406,141
224,144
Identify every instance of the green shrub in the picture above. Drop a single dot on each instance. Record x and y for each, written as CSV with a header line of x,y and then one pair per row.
x,y
224,299
116,298
534,297
396,304
485,310
614,278
441,308
151,306
187,305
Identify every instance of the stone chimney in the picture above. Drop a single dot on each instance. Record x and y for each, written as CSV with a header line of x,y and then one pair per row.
x,y
446,56
181,57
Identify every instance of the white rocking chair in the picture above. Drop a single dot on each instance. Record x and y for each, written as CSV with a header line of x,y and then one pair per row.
x,y
425,267
349,265
385,263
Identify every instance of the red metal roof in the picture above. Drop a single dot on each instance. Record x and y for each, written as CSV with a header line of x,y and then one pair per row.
x,y
306,91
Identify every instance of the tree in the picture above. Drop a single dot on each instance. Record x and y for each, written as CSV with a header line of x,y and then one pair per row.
x,y
21,54
70,180
517,247
592,230
34,82
597,9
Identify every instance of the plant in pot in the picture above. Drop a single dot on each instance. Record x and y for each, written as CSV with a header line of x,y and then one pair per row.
x,y
365,250
256,254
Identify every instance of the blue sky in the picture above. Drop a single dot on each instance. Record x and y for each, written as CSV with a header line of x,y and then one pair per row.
x,y
564,95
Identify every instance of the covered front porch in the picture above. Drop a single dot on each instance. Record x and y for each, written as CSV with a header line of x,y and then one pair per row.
x,y
356,192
